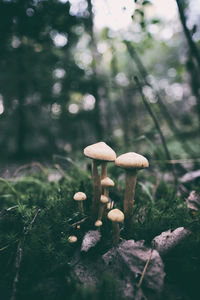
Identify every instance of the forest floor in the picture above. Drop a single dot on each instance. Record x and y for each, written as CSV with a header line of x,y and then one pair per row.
x,y
37,213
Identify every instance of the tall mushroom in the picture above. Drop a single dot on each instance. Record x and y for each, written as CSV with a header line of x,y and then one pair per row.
x,y
116,216
80,197
100,153
131,162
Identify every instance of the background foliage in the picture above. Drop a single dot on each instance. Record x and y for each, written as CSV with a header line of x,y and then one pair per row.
x,y
64,84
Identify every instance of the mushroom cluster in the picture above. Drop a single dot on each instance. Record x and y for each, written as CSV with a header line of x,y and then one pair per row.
x,y
131,162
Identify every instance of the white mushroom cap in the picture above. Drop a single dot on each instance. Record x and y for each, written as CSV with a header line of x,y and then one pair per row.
x,y
72,239
131,160
80,196
98,223
116,215
100,151
104,199
107,182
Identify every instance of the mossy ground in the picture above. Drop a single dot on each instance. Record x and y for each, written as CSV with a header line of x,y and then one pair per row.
x,y
46,251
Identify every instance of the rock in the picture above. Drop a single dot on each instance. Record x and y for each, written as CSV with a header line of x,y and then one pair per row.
x,y
193,201
87,273
127,261
90,239
125,264
54,177
169,239
190,176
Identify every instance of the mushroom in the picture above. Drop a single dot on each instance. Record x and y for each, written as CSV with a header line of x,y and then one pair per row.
x,y
98,224
103,203
116,216
106,183
80,197
100,153
131,162
72,239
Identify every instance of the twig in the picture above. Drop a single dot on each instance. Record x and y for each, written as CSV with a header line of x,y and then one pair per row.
x,y
34,164
19,256
194,53
144,270
151,113
79,222
192,45
27,228
5,247
169,119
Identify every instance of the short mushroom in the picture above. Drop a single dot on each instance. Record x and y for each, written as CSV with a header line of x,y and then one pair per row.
x,y
131,162
106,183
98,224
103,203
101,153
72,239
116,216
80,197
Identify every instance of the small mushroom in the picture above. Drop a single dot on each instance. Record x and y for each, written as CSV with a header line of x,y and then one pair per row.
x,y
98,224
103,203
80,197
106,183
131,162
116,216
100,153
72,239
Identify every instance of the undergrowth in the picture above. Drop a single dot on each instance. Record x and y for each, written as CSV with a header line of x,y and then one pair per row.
x,y
39,215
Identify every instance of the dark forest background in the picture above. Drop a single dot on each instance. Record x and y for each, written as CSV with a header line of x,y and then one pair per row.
x,y
64,84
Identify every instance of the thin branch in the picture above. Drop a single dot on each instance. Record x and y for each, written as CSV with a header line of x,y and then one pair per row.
x,y
34,164
79,222
144,270
151,113
193,48
144,74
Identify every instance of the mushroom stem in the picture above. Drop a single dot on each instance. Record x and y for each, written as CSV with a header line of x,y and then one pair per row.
x,y
96,188
104,209
116,232
131,177
106,191
103,170
80,207
101,210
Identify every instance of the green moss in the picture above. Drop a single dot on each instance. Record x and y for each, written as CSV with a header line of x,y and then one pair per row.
x,y
46,250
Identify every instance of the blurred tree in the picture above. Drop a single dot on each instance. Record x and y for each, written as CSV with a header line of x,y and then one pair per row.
x,y
36,37
65,82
